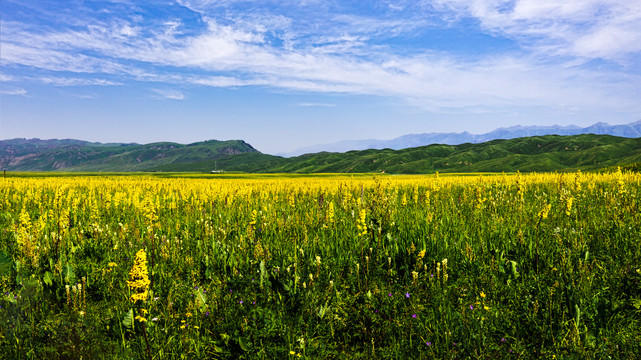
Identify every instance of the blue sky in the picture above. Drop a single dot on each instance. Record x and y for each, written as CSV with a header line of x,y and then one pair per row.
x,y
286,74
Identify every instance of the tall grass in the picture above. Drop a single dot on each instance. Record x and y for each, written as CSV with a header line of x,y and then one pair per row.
x,y
508,266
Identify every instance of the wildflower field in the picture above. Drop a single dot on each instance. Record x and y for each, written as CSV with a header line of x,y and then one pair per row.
x,y
370,266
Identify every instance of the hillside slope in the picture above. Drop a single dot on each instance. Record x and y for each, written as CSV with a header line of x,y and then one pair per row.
x,y
630,130
536,153
76,155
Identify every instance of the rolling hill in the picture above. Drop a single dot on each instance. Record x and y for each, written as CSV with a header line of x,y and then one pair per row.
x,y
535,153
77,155
630,130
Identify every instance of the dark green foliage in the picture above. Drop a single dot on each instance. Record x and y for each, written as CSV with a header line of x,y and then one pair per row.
x,y
75,155
537,153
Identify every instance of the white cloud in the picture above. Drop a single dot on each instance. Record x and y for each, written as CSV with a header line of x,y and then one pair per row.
x,y
316,105
7,78
220,81
58,81
16,92
606,29
240,50
47,58
169,94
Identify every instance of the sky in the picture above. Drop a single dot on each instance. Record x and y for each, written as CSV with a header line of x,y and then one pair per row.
x,y
286,74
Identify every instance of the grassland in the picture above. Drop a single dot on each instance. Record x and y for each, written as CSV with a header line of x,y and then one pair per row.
x,y
327,266
539,153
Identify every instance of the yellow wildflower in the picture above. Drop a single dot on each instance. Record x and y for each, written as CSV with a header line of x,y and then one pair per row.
x,y
482,294
330,212
139,279
361,225
543,214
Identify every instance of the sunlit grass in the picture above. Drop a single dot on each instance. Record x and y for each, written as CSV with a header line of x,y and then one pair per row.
x,y
320,266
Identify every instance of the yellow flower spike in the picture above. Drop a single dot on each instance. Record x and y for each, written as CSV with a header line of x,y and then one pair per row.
x,y
139,279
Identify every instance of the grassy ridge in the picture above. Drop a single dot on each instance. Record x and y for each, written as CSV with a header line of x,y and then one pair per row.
x,y
538,153
73,155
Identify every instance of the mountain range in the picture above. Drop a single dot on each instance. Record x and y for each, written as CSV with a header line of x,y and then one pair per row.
x,y
534,153
630,130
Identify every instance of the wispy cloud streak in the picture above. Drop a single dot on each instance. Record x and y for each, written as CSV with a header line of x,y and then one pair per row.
x,y
342,52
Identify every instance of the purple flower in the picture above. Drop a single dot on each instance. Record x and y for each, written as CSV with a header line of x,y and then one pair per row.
x,y
471,307
253,303
207,313
407,295
390,294
428,343
431,275
240,302
414,316
503,340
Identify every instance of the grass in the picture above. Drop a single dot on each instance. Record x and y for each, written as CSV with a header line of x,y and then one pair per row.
x,y
323,266
538,153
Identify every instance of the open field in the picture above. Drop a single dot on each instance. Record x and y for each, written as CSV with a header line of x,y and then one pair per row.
x,y
328,266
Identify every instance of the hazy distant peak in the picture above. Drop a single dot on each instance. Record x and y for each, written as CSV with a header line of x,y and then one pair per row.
x,y
630,130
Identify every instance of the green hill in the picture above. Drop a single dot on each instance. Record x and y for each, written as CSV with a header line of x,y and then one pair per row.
x,y
74,155
538,153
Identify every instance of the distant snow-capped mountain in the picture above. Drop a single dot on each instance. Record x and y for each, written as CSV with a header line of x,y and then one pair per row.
x,y
630,130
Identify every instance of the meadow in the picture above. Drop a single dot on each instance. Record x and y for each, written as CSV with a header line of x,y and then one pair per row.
x,y
367,266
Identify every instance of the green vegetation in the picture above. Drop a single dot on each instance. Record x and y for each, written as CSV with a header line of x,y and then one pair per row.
x,y
263,267
538,153
73,155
